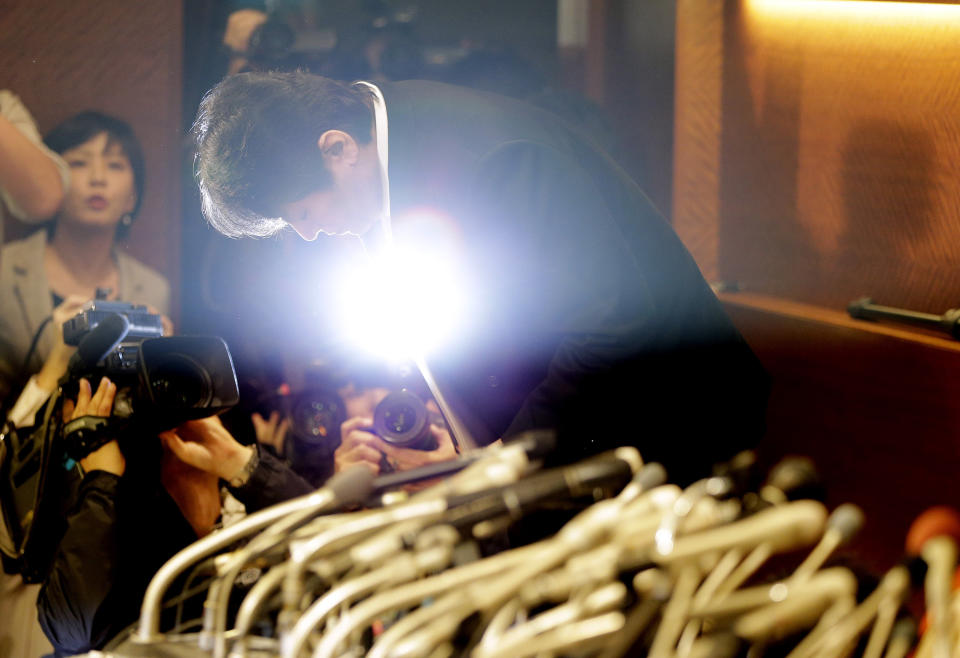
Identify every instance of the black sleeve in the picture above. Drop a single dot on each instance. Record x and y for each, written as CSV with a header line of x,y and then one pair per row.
x,y
74,605
270,483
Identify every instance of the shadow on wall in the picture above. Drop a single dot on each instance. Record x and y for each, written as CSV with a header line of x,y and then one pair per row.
x,y
888,188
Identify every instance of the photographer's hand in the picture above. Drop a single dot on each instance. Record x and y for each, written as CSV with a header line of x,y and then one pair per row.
x,y
360,446
403,459
196,492
357,446
108,456
206,444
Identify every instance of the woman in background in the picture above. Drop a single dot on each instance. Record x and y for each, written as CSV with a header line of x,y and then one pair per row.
x,y
52,273
47,277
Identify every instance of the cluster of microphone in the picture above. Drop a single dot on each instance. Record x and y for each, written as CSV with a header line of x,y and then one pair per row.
x,y
641,567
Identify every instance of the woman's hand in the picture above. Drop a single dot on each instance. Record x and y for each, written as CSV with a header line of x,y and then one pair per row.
x,y
56,364
108,456
207,445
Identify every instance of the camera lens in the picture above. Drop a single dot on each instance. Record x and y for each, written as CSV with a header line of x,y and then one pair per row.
x,y
402,419
179,382
317,416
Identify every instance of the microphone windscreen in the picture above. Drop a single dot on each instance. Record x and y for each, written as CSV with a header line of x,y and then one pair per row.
x,y
797,478
847,519
101,339
904,632
352,485
651,475
536,443
934,522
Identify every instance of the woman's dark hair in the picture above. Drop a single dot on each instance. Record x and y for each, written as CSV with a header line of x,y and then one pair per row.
x,y
256,138
85,126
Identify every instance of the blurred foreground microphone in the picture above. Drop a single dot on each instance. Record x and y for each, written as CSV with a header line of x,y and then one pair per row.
x,y
902,638
607,473
101,340
536,444
786,527
933,536
793,478
842,525
343,489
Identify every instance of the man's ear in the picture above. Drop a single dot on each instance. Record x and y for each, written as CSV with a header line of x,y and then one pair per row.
x,y
338,148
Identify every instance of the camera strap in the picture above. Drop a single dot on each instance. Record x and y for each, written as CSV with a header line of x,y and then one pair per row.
x,y
83,435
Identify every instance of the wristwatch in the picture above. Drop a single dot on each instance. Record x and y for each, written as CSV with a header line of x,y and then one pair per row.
x,y
243,476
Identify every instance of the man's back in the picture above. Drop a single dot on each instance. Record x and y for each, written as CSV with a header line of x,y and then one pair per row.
x,y
589,314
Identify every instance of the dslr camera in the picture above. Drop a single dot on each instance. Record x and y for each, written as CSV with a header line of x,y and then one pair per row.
x,y
402,419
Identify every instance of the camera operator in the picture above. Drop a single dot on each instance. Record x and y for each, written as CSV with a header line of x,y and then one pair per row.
x,y
359,443
140,501
89,175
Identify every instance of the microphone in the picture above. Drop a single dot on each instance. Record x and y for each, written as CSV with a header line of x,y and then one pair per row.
x,y
842,635
902,638
101,340
792,478
499,466
788,526
573,481
791,607
933,535
347,488
579,534
843,524
535,444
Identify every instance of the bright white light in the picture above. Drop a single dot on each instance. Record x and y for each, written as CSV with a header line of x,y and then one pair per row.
x,y
407,301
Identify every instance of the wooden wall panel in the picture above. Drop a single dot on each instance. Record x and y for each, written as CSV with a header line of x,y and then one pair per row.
x,y
697,128
817,159
638,86
840,152
874,407
123,57
840,149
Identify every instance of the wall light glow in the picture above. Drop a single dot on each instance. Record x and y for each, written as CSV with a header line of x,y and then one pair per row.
x,y
869,11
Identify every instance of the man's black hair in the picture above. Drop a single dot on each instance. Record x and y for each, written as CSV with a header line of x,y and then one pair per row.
x,y
256,144
83,127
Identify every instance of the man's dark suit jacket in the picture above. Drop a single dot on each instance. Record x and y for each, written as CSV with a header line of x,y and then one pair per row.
x,y
588,314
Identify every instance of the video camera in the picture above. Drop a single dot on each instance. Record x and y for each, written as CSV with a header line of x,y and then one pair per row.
x,y
161,381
